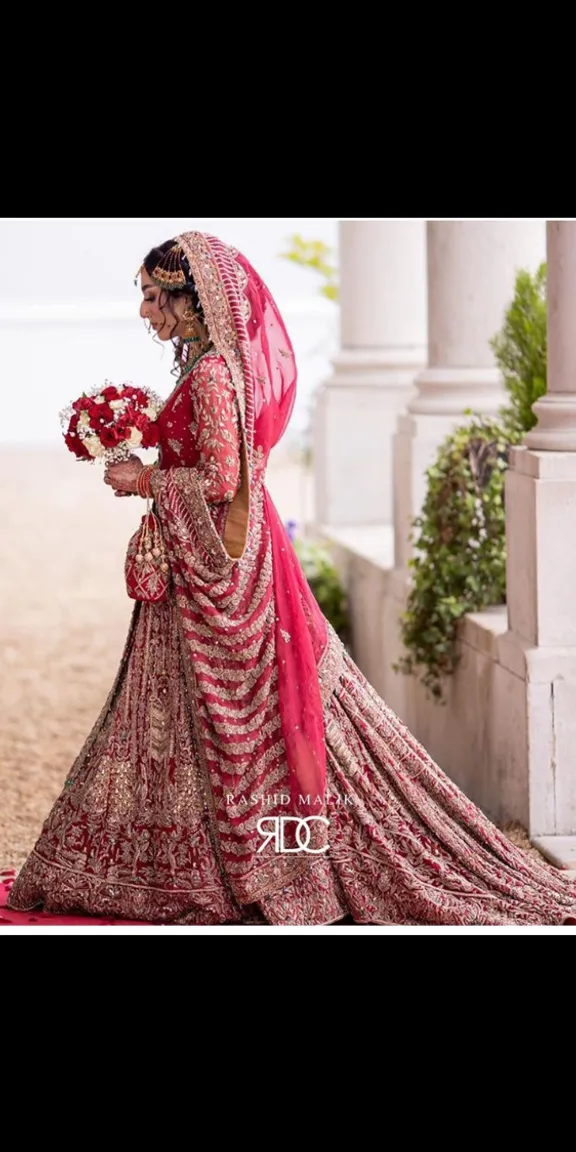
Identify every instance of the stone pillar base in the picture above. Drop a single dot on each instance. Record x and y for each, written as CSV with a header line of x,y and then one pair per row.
x,y
354,425
450,391
556,428
541,643
541,547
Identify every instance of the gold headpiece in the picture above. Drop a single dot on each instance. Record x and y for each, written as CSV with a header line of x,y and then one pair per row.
x,y
170,274
169,277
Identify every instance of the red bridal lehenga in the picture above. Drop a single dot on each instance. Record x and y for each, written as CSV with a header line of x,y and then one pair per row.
x,y
235,703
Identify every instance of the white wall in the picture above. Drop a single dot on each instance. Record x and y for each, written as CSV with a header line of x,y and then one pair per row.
x,y
69,310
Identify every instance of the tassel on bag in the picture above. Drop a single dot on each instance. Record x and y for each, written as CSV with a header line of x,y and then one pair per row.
x,y
147,571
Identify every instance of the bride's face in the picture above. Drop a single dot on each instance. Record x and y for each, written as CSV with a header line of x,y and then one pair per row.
x,y
163,313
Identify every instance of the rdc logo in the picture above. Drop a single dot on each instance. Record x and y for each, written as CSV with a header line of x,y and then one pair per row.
x,y
303,833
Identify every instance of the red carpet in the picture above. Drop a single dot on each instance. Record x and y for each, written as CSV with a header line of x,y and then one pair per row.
x,y
39,918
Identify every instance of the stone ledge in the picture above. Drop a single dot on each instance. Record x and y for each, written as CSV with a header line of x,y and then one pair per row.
x,y
560,850
486,632
482,630
374,542
541,465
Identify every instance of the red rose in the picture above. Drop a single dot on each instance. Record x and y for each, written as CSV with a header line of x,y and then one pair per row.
x,y
129,414
135,394
83,404
150,436
101,414
110,392
110,437
73,441
75,445
125,425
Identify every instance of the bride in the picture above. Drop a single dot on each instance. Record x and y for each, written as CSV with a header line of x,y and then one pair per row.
x,y
242,770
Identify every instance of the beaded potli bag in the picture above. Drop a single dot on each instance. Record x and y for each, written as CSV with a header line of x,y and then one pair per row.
x,y
147,570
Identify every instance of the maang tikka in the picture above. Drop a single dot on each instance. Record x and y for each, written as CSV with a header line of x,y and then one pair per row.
x,y
169,273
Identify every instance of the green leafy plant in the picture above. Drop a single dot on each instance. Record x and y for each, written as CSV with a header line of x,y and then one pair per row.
x,y
520,349
322,576
459,562
318,257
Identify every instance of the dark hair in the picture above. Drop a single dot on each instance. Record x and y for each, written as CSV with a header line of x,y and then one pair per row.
x,y
163,256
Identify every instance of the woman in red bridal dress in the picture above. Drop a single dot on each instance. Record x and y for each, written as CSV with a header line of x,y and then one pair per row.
x,y
242,769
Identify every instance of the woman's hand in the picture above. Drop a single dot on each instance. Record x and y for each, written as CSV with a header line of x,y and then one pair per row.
x,y
122,477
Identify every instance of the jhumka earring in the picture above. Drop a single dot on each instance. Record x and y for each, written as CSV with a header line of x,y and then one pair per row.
x,y
189,316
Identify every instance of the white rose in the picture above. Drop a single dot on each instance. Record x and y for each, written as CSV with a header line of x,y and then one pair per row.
x,y
150,413
84,420
99,399
135,438
93,445
115,404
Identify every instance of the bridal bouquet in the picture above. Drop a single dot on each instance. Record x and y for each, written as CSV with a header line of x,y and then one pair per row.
x,y
109,423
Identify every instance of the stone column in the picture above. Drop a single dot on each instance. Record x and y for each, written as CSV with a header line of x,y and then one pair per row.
x,y
541,566
556,411
383,345
472,267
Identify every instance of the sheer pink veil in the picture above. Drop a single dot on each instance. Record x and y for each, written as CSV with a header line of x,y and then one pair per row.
x,y
246,326
301,630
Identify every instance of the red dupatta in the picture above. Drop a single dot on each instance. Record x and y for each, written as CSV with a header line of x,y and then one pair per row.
x,y
247,328
252,630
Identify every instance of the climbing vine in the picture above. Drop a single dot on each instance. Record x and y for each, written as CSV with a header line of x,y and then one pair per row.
x,y
459,562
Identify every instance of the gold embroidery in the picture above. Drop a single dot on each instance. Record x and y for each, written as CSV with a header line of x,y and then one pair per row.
x,y
226,748
331,664
215,428
176,395
276,775
160,727
179,495
216,310
137,780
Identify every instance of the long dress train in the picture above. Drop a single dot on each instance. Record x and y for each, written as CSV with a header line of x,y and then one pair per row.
x,y
134,835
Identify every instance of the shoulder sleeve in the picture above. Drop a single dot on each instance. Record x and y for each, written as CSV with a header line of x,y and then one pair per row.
x,y
215,426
